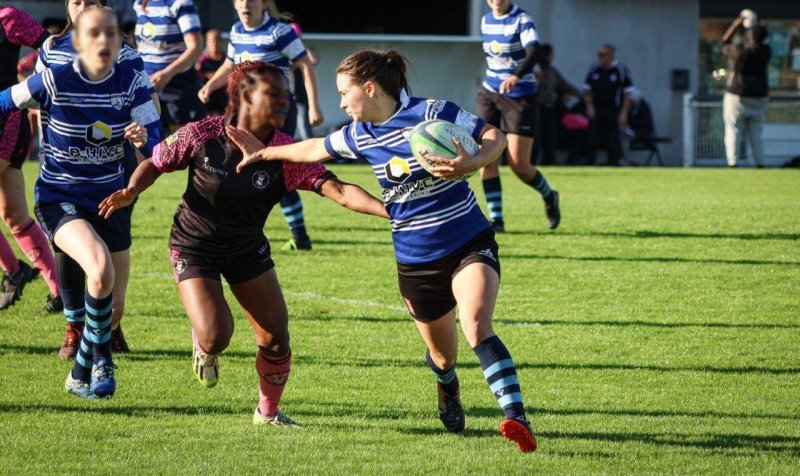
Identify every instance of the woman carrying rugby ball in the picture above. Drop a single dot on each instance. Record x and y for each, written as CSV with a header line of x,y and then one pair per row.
x,y
445,248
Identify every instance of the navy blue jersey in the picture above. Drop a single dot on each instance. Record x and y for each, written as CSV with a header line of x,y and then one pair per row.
x,y
83,124
504,41
59,50
271,42
430,217
160,29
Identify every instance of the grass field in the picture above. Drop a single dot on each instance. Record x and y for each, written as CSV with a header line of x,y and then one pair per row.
x,y
657,330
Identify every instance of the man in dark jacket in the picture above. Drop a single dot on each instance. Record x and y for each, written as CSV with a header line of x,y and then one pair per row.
x,y
747,94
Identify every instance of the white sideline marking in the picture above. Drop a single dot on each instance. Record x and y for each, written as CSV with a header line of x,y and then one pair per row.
x,y
307,295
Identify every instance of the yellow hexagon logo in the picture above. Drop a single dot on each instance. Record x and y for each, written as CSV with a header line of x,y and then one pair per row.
x,y
495,48
98,133
397,170
148,30
246,56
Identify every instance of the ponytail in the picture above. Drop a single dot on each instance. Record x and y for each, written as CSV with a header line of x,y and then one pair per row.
x,y
387,68
273,12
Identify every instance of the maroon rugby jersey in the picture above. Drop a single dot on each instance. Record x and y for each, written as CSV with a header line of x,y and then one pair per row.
x,y
17,29
224,212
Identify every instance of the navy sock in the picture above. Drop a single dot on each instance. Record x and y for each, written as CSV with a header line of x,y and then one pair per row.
x,y
539,183
445,377
494,197
501,375
71,279
292,209
82,370
98,326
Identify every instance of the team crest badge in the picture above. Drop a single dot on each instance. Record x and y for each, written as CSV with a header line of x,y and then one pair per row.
x,y
180,265
69,208
117,102
260,180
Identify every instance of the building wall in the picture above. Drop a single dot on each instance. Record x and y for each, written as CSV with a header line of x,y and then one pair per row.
x,y
652,38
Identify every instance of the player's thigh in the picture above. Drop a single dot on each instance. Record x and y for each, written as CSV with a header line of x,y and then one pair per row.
x,y
441,338
475,288
13,205
208,312
78,239
262,300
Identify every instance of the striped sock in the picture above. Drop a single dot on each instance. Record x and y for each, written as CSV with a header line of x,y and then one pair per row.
x,y
494,197
98,326
445,377
501,375
540,184
292,208
82,370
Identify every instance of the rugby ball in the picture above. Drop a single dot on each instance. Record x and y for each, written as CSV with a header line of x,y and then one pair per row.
x,y
434,138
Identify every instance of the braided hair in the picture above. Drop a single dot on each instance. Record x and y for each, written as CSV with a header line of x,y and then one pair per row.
x,y
244,77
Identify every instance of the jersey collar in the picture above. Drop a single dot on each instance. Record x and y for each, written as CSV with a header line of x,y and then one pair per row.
x,y
511,11
263,22
404,100
76,65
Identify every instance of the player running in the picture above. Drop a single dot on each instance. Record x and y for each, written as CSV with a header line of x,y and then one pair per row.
x,y
445,248
507,100
89,109
17,29
218,228
264,34
59,50
169,39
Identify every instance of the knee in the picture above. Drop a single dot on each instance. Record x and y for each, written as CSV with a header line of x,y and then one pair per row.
x,y
100,278
443,361
16,221
525,171
478,332
217,340
274,344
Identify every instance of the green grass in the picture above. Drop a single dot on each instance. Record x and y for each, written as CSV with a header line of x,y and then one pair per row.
x,y
656,331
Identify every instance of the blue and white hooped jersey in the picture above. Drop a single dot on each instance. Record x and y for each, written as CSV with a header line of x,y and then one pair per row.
x,y
431,218
504,41
160,30
83,124
271,42
59,50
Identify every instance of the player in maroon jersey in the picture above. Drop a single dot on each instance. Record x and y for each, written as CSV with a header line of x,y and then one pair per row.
x,y
218,226
18,29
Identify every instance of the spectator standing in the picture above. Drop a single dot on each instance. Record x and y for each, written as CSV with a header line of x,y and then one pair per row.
x,y
552,87
607,96
747,94
208,64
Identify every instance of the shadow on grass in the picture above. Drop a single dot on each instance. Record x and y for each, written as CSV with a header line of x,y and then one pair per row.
x,y
651,259
669,325
365,362
126,410
646,234
488,412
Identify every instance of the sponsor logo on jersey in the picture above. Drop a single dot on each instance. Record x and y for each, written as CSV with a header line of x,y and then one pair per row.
x,y
148,30
246,56
97,155
172,139
98,133
260,180
213,169
408,191
397,170
495,47
69,208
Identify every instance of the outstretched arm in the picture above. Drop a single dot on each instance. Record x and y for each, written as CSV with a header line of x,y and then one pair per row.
x,y
353,197
143,177
253,150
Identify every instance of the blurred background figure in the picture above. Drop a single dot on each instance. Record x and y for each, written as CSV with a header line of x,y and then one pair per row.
x,y
298,87
606,93
641,127
747,92
552,88
208,64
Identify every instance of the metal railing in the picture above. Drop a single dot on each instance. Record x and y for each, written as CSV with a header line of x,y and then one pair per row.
x,y
704,132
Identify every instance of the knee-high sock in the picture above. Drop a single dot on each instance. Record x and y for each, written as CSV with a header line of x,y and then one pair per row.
x,y
539,183
34,244
72,286
272,376
292,208
8,260
446,377
494,197
98,326
501,375
82,369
